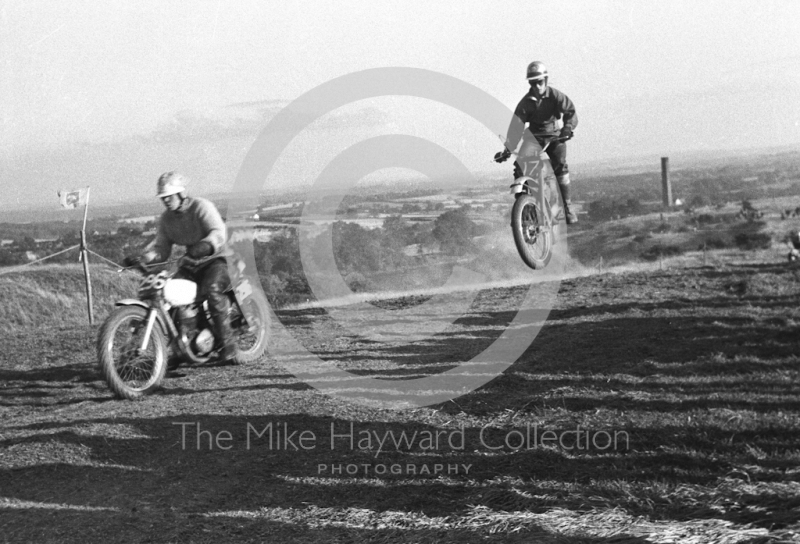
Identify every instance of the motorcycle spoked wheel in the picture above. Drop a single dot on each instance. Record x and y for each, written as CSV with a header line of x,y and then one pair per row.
x,y
533,239
130,372
252,340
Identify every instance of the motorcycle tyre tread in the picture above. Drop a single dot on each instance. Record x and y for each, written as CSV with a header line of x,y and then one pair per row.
x,y
261,306
110,374
519,237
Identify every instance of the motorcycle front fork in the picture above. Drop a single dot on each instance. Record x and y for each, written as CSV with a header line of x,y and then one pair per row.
x,y
548,223
148,328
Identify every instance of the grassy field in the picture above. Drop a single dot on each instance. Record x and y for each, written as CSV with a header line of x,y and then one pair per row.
x,y
659,403
629,239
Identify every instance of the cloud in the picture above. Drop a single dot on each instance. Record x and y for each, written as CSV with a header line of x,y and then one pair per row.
x,y
208,145
247,119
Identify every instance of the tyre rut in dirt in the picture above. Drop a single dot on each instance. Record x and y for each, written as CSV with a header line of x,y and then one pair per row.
x,y
253,341
129,371
534,244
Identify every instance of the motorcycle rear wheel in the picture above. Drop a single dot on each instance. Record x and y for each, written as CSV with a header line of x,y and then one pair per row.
x,y
130,372
252,340
532,236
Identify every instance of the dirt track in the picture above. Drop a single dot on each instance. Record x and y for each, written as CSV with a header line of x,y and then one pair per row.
x,y
695,371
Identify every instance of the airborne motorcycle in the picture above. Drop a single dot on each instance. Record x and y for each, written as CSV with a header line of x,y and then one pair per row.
x,y
533,222
164,325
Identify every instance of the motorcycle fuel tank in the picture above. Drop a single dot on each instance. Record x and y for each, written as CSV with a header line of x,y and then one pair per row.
x,y
180,292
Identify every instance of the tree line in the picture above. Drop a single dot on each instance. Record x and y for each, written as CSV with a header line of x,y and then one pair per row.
x,y
358,251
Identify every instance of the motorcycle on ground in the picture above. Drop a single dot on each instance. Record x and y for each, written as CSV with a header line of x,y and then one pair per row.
x,y
164,326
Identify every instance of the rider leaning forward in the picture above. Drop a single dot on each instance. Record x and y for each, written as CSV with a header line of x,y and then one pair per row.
x,y
539,109
196,223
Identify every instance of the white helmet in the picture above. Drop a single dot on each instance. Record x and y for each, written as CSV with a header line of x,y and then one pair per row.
x,y
536,70
171,183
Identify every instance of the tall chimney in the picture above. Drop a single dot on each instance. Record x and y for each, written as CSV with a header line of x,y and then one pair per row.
x,y
666,188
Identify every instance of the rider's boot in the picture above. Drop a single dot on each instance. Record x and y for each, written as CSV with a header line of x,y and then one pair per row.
x,y
226,355
563,185
219,308
225,347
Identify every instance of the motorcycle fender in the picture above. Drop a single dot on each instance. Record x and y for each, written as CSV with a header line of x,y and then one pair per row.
x,y
521,185
241,293
131,302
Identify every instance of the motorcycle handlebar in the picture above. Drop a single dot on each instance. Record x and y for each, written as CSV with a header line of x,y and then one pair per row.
x,y
192,264
183,261
550,139
146,268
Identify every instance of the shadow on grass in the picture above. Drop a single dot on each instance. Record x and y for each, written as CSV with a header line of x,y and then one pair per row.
x,y
652,359
175,479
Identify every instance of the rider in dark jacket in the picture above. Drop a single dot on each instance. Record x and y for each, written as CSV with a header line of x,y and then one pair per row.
x,y
540,109
196,223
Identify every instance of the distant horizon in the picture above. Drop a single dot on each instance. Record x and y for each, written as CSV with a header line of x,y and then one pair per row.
x,y
598,169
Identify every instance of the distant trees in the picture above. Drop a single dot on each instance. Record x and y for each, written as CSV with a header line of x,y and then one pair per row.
x,y
279,267
749,212
362,255
398,233
356,248
603,210
126,230
25,243
11,258
658,251
751,235
633,206
454,231
753,240
698,201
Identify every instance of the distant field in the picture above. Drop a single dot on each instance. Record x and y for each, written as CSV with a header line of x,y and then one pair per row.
x,y
626,240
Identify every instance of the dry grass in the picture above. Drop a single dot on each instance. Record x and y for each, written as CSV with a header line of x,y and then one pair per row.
x,y
697,365
50,296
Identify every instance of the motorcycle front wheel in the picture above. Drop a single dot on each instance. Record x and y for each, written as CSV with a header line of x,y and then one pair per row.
x,y
252,338
131,371
532,234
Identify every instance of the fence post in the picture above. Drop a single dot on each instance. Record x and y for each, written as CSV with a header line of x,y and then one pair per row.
x,y
85,259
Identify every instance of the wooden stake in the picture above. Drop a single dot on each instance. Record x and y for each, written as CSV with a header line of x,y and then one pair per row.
x,y
85,258
86,208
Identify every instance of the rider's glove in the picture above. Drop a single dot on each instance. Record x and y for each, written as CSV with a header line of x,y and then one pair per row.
x,y
187,262
131,260
566,134
502,156
200,250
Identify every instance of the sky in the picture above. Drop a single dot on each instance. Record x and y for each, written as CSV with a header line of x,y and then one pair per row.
x,y
111,94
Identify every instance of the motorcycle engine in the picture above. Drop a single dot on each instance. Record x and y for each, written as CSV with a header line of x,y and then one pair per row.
x,y
203,342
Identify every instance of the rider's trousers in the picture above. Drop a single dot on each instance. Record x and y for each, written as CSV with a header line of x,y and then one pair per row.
x,y
556,152
213,283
